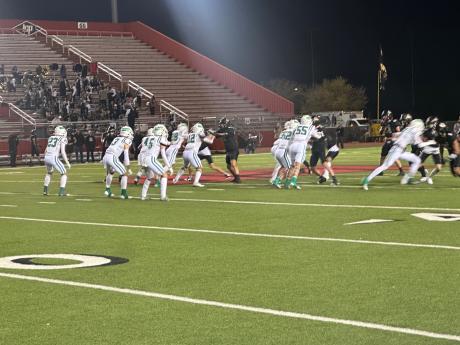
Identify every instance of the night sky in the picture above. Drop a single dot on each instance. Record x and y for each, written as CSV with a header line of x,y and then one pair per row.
x,y
266,39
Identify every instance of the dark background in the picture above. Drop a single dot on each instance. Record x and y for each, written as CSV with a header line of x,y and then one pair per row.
x,y
266,39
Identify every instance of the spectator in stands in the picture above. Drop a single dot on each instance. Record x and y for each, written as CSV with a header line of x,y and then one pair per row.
x,y
151,104
2,69
63,72
13,142
62,89
84,110
35,151
333,120
138,99
103,98
277,131
90,143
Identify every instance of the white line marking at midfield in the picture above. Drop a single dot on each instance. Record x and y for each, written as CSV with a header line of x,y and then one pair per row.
x,y
47,202
8,205
83,200
235,233
240,307
184,191
215,189
274,203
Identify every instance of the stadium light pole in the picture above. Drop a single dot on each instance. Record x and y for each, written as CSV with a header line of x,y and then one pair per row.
x,y
114,11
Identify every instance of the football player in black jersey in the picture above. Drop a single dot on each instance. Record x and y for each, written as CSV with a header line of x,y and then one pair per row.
x,y
430,148
227,132
453,147
389,128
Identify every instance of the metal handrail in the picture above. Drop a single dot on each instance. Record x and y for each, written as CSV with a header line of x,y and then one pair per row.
x,y
79,53
144,92
172,109
111,72
22,114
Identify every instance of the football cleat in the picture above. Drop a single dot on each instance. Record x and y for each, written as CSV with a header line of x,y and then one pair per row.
x,y
124,194
198,185
321,180
108,192
164,199
365,183
424,179
429,180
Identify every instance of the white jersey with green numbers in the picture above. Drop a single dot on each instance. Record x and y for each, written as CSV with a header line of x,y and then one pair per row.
x,y
153,144
117,146
56,145
194,141
284,139
178,137
304,133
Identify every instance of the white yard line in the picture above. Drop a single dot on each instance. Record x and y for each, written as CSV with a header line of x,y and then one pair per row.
x,y
8,205
47,202
83,199
251,309
273,203
234,233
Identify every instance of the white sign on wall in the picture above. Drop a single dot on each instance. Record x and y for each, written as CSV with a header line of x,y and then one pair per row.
x,y
82,25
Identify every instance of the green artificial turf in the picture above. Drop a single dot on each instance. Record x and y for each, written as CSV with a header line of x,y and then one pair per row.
x,y
412,287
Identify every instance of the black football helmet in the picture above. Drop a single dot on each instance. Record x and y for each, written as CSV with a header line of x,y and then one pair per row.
x,y
223,122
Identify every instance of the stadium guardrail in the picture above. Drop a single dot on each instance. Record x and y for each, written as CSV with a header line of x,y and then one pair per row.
x,y
22,114
111,72
173,110
137,87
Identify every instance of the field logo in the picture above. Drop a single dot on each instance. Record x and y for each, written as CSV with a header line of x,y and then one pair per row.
x,y
438,217
26,262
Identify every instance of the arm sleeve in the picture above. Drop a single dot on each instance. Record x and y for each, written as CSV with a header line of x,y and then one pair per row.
x,y
163,155
63,153
126,155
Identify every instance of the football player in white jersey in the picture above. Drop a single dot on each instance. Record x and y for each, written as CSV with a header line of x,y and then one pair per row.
x,y
302,133
156,144
277,167
140,157
411,135
56,145
120,145
177,139
190,155
282,152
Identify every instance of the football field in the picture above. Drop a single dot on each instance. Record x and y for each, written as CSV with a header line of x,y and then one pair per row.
x,y
228,263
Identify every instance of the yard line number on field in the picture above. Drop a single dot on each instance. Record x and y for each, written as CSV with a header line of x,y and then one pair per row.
x,y
252,309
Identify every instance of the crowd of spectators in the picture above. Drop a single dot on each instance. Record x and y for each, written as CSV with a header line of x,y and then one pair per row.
x,y
50,92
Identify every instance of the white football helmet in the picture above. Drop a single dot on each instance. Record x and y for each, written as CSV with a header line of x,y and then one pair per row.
x,y
294,124
182,127
306,120
160,130
287,124
198,128
60,131
417,124
126,132
150,132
